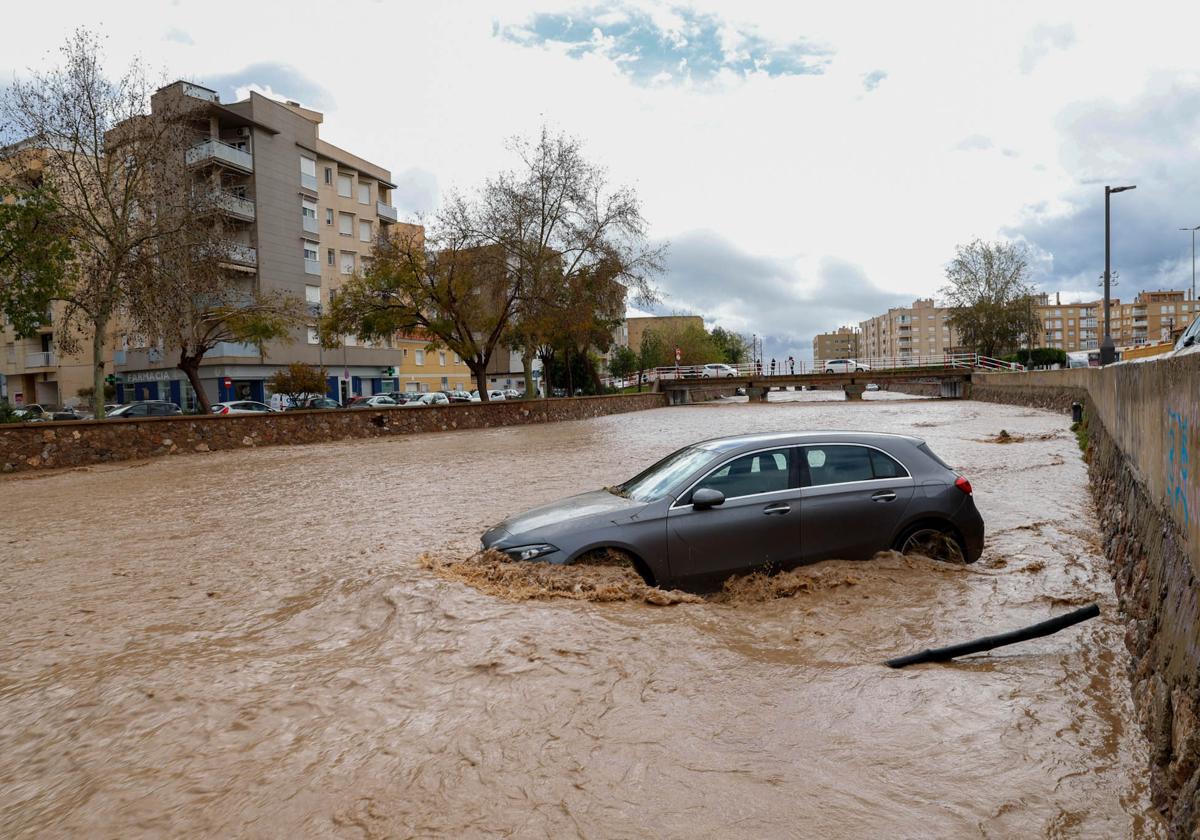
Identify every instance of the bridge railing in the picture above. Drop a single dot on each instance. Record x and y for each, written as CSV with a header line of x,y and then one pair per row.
x,y
933,363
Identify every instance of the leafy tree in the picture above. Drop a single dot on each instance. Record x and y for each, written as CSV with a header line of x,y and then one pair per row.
x,y
34,252
1039,356
989,291
653,351
298,380
96,142
8,413
624,363
734,347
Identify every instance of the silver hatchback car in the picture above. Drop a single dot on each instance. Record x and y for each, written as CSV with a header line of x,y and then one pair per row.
x,y
765,502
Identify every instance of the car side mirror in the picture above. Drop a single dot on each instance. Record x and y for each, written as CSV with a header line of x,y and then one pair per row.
x,y
706,498
1189,341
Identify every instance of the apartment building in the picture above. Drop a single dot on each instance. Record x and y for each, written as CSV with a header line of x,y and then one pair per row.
x,y
1070,327
301,215
842,343
635,328
32,369
1152,317
922,329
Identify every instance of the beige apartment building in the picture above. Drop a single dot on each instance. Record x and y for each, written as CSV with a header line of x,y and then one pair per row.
x,y
842,343
301,215
634,328
922,329
1152,317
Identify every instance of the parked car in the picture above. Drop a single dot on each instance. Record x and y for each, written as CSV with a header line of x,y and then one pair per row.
x,y
845,366
871,386
70,413
31,413
712,371
512,394
313,403
146,408
763,502
458,396
493,395
1189,341
377,401
242,407
431,398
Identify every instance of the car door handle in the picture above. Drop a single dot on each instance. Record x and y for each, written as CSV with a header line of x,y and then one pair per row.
x,y
777,509
884,496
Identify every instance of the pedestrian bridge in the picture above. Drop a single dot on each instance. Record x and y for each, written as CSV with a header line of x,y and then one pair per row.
x,y
949,371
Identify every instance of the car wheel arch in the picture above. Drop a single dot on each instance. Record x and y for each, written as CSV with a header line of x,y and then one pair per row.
x,y
644,569
928,521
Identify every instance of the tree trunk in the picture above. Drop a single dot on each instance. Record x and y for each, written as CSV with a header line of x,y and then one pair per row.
x,y
527,364
570,378
479,371
99,325
190,365
547,382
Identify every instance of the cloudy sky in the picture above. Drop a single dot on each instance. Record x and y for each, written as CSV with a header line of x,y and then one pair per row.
x,y
809,166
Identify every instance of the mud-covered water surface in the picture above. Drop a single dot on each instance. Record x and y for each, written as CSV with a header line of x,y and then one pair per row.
x,y
251,643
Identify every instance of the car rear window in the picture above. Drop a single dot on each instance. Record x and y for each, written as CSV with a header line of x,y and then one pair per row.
x,y
845,463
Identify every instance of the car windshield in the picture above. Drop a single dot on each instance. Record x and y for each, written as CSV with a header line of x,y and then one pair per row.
x,y
654,483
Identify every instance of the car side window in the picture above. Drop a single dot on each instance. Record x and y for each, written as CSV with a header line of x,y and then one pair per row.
x,y
749,475
138,411
844,463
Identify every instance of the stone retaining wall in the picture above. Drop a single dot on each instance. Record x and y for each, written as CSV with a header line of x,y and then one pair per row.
x,y
1142,430
32,446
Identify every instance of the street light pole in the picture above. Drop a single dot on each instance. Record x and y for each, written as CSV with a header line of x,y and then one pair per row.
x,y
1108,351
1193,230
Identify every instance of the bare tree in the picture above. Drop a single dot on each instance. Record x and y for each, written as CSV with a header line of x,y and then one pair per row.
x,y
103,152
989,292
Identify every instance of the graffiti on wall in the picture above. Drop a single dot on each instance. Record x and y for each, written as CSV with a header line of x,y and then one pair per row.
x,y
1181,480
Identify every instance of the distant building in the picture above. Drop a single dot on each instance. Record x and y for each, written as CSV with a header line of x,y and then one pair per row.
x,y
922,329
842,343
636,327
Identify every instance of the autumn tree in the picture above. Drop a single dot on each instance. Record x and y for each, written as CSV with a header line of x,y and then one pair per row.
x,y
298,380
989,293
100,148
440,281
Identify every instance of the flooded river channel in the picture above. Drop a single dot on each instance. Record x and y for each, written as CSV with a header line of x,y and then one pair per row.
x,y
248,644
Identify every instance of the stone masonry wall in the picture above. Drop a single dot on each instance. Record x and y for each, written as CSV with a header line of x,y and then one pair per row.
x,y
33,446
1142,429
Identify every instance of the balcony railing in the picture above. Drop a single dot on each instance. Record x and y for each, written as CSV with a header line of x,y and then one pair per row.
x,y
40,360
310,224
235,205
386,212
236,252
215,150
312,267
309,182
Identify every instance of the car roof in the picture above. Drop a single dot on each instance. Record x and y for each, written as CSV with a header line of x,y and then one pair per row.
x,y
725,444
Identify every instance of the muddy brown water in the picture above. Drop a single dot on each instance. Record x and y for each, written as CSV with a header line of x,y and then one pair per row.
x,y
246,644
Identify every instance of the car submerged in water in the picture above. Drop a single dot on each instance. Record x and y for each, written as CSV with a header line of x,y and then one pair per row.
x,y
760,503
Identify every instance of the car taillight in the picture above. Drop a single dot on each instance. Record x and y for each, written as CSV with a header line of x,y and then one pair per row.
x,y
963,485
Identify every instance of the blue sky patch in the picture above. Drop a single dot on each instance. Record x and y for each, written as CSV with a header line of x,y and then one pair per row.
x,y
677,45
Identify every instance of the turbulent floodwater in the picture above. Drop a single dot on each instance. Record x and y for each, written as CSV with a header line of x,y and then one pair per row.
x,y
248,644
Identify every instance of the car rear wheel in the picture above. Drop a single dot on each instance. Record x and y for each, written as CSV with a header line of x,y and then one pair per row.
x,y
829,370
934,540
858,370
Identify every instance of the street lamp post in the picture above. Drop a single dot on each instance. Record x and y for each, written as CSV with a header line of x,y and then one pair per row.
x,y
1193,230
1108,351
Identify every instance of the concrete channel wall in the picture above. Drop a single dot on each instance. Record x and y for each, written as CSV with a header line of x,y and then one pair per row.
x,y
1142,432
35,446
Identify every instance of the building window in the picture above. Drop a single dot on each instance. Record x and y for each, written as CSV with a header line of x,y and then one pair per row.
x,y
364,230
442,358
347,263
346,224
308,209
328,215
308,172
314,337
312,295
329,257
311,251
419,356
364,193
345,186
328,175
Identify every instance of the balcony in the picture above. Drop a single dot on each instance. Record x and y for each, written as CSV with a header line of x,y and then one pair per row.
x,y
235,349
386,212
234,205
312,267
45,359
239,254
215,151
308,182
310,223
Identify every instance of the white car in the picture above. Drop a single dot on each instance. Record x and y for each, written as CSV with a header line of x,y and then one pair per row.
x,y
241,407
845,366
716,370
1189,342
430,398
494,396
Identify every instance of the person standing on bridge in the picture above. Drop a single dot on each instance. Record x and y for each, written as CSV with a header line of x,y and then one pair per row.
x,y
772,367
792,365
